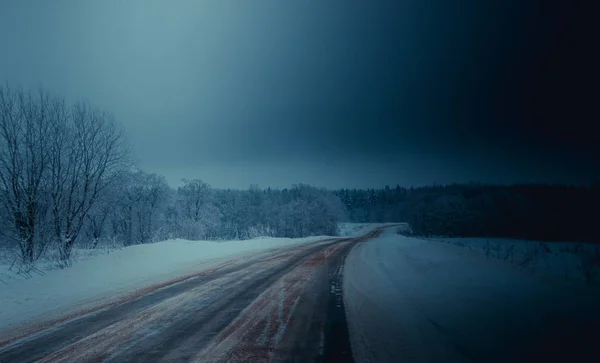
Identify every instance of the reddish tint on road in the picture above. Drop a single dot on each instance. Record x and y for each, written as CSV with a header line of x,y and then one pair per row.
x,y
286,306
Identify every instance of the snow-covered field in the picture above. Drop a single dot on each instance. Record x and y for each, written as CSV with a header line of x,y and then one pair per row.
x,y
569,262
411,300
106,276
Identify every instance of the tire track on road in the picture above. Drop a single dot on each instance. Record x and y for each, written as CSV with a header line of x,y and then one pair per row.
x,y
59,334
209,316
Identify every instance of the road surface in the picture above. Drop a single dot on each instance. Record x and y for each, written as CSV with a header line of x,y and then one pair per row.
x,y
284,307
378,298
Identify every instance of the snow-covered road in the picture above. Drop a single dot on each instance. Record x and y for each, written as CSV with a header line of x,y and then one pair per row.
x,y
410,300
263,306
381,297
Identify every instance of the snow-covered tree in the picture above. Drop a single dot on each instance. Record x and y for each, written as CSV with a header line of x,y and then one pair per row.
x,y
142,197
193,196
87,153
25,121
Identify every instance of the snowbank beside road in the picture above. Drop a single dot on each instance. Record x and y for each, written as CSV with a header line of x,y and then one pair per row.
x,y
566,262
413,300
106,277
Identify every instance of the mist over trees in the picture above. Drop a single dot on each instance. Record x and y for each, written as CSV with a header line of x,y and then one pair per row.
x,y
66,180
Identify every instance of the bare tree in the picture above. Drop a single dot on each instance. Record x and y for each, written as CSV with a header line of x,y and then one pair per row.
x,y
25,120
88,153
100,213
194,194
141,197
153,191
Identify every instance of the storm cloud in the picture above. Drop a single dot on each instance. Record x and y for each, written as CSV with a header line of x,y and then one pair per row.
x,y
336,93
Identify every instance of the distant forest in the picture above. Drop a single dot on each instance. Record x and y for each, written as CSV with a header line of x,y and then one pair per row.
x,y
536,212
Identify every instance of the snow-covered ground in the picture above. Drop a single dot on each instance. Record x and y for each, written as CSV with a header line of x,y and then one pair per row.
x,y
101,277
568,262
414,300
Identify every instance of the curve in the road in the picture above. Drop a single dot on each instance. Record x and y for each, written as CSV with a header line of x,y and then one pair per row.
x,y
288,306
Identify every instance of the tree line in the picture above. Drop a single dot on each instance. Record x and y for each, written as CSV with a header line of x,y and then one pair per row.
x,y
141,207
535,212
66,179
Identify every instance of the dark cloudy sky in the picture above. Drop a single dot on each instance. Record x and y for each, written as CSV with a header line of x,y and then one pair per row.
x,y
334,93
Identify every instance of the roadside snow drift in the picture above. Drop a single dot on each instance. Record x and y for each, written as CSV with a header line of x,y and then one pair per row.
x,y
559,262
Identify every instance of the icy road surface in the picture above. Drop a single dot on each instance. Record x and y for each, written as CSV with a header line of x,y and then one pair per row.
x,y
282,306
410,300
